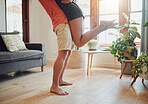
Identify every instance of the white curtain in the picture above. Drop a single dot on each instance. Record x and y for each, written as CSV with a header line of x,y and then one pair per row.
x,y
144,32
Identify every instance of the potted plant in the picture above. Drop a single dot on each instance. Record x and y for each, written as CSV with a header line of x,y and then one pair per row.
x,y
124,47
140,66
93,45
77,59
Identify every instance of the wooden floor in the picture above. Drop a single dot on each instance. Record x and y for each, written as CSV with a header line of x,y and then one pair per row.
x,y
103,86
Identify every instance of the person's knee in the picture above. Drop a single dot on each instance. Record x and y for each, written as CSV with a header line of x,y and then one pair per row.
x,y
78,44
63,54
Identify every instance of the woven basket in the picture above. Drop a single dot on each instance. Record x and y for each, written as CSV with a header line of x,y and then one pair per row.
x,y
77,60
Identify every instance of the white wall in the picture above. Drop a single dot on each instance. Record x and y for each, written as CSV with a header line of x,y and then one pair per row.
x,y
41,29
2,15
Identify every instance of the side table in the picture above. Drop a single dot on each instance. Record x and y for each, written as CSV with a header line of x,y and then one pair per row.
x,y
90,58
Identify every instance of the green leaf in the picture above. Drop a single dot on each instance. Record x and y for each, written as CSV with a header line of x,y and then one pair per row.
x,y
111,47
134,23
146,24
138,35
133,33
126,34
134,28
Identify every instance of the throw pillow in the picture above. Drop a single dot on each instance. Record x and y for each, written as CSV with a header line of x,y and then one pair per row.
x,y
13,43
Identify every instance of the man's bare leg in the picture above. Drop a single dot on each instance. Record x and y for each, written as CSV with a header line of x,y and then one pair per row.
x,y
58,66
61,81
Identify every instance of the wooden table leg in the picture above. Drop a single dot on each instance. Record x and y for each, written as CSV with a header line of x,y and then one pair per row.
x,y
134,80
115,62
143,81
88,64
91,60
123,70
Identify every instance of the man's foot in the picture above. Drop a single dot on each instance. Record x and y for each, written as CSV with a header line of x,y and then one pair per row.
x,y
58,91
64,83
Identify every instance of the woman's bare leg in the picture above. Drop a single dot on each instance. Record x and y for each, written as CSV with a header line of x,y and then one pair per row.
x,y
81,39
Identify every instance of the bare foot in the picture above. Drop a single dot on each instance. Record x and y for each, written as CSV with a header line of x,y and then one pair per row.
x,y
58,91
107,24
64,83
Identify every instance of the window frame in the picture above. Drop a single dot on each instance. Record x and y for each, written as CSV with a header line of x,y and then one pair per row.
x,y
25,20
123,7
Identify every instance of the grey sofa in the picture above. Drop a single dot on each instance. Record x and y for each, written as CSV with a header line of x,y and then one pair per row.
x,y
17,61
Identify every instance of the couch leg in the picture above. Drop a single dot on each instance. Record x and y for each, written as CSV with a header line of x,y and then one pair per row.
x,y
42,68
143,81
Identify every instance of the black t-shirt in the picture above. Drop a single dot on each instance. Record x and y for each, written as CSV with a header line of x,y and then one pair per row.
x,y
71,10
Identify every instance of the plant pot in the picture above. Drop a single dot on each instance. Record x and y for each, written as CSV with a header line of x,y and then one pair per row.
x,y
127,69
144,74
93,45
92,49
77,60
131,53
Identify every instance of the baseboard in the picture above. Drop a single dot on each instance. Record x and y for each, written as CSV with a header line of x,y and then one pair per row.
x,y
50,60
95,64
103,64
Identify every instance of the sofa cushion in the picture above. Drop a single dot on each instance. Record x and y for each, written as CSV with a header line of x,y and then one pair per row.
x,y
14,43
6,57
2,44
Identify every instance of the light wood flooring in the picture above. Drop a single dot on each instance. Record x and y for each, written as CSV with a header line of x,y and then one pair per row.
x,y
103,86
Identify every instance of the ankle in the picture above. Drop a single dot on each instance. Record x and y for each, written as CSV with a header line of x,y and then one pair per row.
x,y
61,81
54,86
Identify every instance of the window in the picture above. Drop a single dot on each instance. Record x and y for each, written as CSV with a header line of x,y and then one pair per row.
x,y
109,10
85,6
136,13
14,15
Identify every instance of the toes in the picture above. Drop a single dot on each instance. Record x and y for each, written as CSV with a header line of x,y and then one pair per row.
x,y
59,91
62,93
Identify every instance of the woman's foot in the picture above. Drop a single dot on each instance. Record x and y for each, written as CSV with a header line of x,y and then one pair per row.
x,y
64,83
58,91
107,24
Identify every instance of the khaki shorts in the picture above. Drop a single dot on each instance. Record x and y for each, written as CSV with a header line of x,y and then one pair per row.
x,y
64,38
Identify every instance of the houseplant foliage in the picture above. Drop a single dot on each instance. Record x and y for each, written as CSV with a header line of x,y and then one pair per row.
x,y
124,47
146,24
140,66
93,45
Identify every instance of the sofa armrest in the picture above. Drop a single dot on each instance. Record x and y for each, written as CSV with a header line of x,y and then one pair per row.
x,y
38,46
35,46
